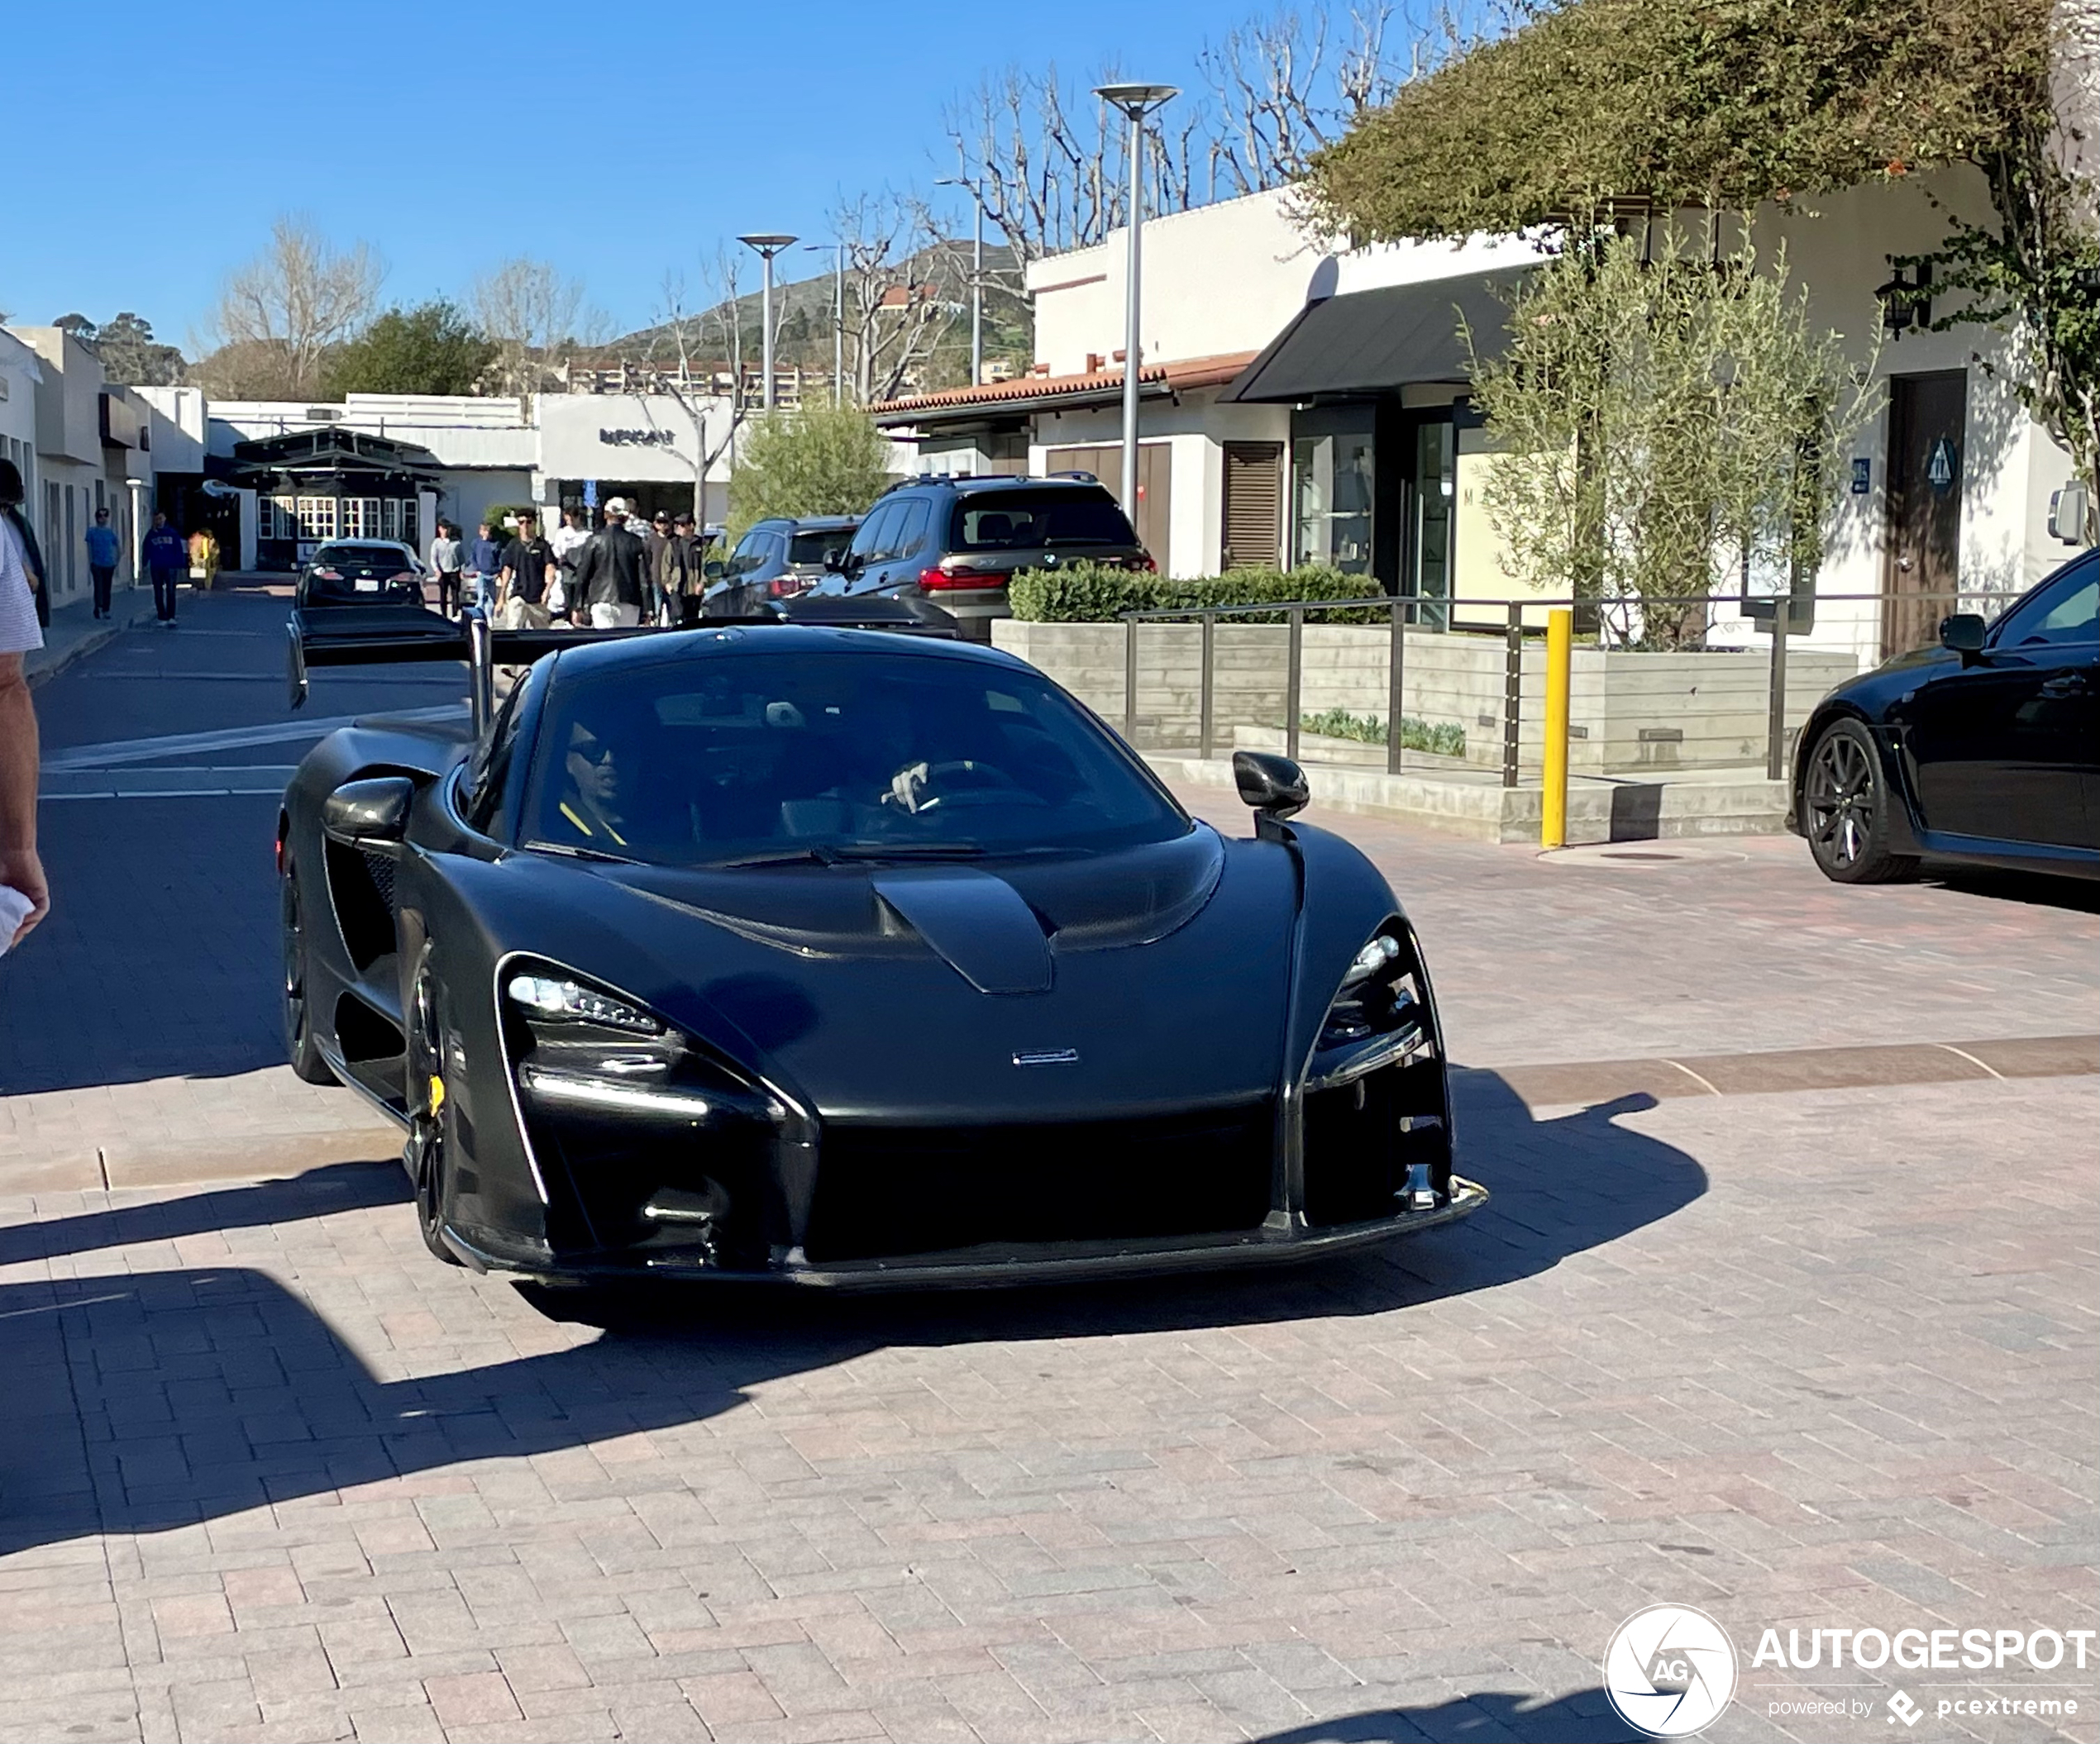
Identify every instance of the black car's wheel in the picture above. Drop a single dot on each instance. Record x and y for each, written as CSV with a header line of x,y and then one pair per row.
x,y
1844,810
428,1151
306,1063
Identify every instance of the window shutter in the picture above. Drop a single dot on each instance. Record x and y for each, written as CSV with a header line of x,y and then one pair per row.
x,y
1253,504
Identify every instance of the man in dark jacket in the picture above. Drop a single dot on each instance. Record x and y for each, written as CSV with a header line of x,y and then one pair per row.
x,y
167,559
681,578
656,537
612,573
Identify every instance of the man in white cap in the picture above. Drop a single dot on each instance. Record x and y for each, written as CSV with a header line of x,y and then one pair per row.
x,y
612,571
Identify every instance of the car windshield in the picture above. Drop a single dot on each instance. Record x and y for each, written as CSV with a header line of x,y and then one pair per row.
x,y
754,757
811,549
1031,520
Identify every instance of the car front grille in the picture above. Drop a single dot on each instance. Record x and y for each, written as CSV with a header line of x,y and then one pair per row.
x,y
884,1191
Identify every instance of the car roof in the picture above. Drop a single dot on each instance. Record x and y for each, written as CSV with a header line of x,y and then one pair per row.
x,y
823,523
997,482
669,646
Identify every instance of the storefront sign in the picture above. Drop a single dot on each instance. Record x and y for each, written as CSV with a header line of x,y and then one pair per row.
x,y
636,438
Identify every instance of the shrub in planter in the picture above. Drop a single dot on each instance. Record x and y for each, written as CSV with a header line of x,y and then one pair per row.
x,y
1092,593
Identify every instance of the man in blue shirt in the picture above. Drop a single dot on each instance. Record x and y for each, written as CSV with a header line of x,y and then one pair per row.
x,y
167,559
484,558
102,560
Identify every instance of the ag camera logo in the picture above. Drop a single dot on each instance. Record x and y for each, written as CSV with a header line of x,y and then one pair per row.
x,y
1669,1671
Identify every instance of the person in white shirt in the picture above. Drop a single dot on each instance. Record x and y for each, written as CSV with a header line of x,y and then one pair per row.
x,y
21,869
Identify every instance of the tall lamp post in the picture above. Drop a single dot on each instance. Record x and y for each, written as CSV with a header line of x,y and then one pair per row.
x,y
1136,102
976,277
767,246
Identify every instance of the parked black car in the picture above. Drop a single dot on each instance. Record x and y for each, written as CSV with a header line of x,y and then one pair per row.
x,y
1985,749
362,572
956,541
778,559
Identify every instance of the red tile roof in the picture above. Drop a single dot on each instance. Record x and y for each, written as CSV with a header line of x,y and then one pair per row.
x,y
1191,372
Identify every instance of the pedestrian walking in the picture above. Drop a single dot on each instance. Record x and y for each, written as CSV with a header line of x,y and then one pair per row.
x,y
682,577
527,570
448,557
655,539
167,560
484,557
612,574
568,539
203,559
24,896
102,560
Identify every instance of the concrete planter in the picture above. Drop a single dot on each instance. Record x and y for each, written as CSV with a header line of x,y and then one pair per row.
x,y
1629,713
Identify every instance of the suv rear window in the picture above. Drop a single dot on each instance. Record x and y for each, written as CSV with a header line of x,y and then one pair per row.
x,y
1030,520
811,547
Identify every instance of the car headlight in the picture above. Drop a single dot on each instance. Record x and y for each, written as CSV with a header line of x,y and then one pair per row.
x,y
1378,996
547,996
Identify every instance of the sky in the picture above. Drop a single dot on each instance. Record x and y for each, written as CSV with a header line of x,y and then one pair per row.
x,y
616,142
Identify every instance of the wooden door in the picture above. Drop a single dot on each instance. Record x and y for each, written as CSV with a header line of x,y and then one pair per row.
x,y
1155,485
1927,416
1254,507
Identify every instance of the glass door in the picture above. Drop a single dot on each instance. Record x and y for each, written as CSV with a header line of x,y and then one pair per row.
x,y
1433,470
1332,476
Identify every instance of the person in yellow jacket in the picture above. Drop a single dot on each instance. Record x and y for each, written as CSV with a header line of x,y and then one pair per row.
x,y
203,559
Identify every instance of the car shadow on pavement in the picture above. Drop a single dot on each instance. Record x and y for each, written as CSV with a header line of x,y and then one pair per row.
x,y
148,1400
1490,1717
2080,895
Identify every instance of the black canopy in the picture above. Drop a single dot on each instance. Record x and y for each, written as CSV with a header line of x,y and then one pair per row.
x,y
1377,341
269,463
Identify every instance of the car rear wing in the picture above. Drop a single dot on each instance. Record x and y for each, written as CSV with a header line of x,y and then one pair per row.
x,y
383,636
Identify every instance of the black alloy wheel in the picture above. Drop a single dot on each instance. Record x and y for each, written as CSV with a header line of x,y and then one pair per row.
x,y
306,1063
427,1152
1844,810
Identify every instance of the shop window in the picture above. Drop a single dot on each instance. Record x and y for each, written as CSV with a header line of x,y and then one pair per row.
x,y
1331,479
317,518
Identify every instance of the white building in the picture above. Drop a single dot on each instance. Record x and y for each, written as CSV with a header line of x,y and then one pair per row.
x,y
1312,408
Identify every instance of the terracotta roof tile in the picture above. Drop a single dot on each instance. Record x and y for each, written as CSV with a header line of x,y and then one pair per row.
x,y
1191,372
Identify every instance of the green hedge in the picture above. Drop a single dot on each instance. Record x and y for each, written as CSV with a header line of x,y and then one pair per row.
x,y
1447,738
1092,593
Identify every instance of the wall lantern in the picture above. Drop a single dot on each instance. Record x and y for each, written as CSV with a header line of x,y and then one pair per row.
x,y
1905,302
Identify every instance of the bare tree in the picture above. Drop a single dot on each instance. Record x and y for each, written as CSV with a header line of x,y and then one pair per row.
x,y
1048,163
902,277
535,316
682,331
279,315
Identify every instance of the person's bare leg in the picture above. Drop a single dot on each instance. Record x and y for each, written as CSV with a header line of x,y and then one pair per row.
x,y
19,864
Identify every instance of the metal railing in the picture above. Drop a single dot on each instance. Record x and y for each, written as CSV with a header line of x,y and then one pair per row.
x,y
1860,626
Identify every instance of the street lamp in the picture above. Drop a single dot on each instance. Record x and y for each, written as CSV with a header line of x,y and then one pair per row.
x,y
767,244
976,277
1136,102
837,317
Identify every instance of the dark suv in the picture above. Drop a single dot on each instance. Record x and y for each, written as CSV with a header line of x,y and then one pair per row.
x,y
955,542
776,559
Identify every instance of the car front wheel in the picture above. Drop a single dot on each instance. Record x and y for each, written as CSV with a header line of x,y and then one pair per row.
x,y
1845,805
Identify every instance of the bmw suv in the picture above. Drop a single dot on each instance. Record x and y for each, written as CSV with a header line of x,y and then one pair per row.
x,y
955,543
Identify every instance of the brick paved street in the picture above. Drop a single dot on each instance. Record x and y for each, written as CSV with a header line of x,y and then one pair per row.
x,y
1817,1359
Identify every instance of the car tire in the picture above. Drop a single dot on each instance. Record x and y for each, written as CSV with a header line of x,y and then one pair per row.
x,y
1844,809
307,1064
428,1154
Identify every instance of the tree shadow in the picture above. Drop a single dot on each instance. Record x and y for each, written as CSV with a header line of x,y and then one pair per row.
x,y
149,1400
1486,1717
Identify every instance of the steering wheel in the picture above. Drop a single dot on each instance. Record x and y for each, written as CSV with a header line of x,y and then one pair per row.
x,y
958,783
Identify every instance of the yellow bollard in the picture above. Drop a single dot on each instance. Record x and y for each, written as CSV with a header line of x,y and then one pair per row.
x,y
1560,641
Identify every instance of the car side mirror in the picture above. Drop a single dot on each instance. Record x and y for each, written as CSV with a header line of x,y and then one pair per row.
x,y
374,810
834,560
2066,514
1275,787
1962,633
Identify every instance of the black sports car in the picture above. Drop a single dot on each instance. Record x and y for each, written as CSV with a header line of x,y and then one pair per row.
x,y
1985,749
837,955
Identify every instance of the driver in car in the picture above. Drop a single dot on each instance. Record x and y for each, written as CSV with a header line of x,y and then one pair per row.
x,y
592,802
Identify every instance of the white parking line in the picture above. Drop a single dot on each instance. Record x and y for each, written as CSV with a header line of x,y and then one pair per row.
x,y
227,738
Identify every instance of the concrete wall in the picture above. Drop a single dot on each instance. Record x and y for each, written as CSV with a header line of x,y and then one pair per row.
x,y
1628,711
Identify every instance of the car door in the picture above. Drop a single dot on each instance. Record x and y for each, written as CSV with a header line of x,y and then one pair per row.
x,y
2004,743
864,556
900,546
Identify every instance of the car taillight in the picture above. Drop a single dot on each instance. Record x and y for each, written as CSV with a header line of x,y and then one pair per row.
x,y
280,845
933,580
1143,563
328,575
403,575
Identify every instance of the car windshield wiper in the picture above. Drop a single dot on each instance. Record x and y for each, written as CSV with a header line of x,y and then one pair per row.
x,y
832,854
573,853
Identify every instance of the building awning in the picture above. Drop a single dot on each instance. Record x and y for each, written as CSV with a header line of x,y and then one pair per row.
x,y
1379,342
1060,393
281,462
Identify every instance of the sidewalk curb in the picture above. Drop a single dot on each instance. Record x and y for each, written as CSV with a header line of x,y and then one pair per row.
x,y
59,659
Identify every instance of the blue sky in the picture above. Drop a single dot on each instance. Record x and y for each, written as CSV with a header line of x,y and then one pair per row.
x,y
615,141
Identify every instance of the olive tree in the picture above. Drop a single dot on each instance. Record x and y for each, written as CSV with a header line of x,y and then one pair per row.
x,y
816,461
1663,424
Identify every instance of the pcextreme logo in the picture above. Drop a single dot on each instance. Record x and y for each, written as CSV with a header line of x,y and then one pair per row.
x,y
1669,1670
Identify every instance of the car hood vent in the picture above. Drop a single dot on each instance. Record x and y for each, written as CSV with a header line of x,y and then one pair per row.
x,y
977,922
